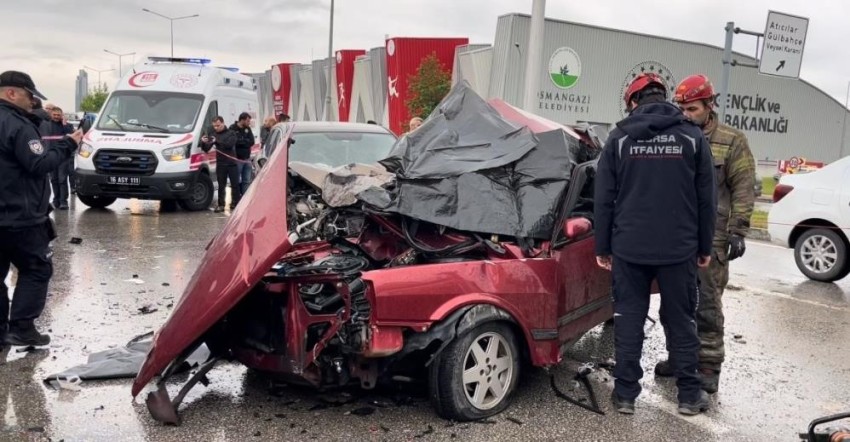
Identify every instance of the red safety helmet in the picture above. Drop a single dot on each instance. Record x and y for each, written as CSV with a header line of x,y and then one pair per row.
x,y
693,88
641,82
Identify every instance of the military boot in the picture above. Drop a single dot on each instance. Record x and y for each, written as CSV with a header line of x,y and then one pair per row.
x,y
710,380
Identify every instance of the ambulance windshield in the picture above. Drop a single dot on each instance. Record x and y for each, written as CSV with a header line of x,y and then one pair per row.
x,y
151,111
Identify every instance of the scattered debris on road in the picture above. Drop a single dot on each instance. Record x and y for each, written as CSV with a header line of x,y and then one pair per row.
x,y
147,309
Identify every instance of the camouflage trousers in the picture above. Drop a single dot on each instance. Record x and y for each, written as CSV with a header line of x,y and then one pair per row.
x,y
712,282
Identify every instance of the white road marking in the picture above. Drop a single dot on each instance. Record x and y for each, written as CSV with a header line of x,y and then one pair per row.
x,y
705,421
762,292
768,245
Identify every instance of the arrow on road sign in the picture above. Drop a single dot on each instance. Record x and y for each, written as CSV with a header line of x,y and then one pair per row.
x,y
781,65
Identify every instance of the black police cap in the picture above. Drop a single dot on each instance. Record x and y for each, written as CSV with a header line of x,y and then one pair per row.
x,y
21,80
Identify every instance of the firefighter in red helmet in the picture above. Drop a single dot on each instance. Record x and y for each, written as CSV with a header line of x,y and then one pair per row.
x,y
735,175
649,81
654,213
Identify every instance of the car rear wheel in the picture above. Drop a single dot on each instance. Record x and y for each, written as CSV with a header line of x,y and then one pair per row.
x,y
201,195
96,201
821,255
476,374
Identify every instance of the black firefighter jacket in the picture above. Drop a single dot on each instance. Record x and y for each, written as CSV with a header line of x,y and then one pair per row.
x,y
655,197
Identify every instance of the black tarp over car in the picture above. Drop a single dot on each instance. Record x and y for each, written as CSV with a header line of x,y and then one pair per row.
x,y
470,169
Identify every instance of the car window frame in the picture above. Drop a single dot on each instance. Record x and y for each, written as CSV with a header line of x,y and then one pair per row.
x,y
580,176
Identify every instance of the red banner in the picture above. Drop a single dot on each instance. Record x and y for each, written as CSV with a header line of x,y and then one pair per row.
x,y
345,79
281,88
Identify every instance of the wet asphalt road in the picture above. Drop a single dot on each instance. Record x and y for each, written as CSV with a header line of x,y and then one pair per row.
x,y
786,337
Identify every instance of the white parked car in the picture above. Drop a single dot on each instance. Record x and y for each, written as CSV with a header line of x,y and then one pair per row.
x,y
811,214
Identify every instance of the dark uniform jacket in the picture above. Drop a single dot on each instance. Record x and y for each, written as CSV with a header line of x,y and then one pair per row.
x,y
655,194
244,141
24,164
225,144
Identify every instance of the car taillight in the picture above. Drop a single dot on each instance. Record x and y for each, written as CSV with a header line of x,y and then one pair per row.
x,y
780,191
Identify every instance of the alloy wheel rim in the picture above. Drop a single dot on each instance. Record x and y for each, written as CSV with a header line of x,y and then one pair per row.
x,y
819,254
488,370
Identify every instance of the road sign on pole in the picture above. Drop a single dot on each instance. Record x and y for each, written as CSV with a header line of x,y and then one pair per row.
x,y
784,40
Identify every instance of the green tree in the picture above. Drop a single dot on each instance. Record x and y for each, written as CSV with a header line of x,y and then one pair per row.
x,y
427,87
95,99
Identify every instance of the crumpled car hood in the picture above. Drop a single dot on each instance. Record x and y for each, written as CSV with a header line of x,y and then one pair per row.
x,y
253,239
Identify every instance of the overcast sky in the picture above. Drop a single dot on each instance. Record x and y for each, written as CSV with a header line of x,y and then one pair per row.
x,y
53,39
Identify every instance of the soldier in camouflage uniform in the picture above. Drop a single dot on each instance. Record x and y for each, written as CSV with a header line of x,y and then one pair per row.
x,y
734,169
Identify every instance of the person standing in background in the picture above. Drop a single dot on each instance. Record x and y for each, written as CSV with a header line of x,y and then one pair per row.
x,y
244,142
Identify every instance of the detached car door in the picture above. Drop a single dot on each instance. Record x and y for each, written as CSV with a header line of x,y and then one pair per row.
x,y
584,289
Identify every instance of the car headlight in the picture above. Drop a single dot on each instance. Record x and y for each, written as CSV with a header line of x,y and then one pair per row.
x,y
176,153
85,150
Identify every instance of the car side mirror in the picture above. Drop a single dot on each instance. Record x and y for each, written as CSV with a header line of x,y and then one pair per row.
x,y
575,228
85,125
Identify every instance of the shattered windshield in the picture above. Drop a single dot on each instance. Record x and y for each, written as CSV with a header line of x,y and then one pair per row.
x,y
340,148
151,111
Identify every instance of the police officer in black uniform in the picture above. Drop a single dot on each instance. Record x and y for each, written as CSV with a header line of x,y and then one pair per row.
x,y
654,208
25,228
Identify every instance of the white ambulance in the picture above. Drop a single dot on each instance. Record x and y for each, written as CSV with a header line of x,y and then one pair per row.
x,y
144,143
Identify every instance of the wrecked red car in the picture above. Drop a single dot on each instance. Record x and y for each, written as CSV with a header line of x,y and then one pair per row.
x,y
458,272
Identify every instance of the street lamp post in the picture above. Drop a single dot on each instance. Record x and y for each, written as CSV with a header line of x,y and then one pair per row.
x,y
99,71
172,20
120,70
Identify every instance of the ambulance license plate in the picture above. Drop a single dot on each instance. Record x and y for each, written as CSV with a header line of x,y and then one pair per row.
x,y
124,180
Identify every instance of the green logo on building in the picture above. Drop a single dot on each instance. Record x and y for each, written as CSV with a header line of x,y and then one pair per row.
x,y
564,68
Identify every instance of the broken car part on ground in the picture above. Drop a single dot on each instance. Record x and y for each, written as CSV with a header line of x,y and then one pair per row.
x,y
475,254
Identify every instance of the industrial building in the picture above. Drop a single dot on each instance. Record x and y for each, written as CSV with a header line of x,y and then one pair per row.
x,y
584,73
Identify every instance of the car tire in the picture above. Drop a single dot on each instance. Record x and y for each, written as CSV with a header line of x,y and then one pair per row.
x,y
201,195
490,357
821,255
96,201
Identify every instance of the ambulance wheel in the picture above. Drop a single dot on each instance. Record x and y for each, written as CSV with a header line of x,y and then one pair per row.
x,y
201,195
96,201
475,375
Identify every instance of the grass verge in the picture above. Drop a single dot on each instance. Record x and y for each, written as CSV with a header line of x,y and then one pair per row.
x,y
767,186
759,219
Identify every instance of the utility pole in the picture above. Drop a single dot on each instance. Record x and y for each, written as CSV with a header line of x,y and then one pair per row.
x,y
327,111
535,49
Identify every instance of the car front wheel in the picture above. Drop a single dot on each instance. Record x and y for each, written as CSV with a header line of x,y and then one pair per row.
x,y
821,255
475,375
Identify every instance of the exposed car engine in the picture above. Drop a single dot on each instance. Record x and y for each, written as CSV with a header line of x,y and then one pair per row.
x,y
312,219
